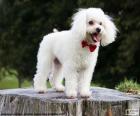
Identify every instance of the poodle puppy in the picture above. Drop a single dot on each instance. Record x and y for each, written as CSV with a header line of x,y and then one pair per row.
x,y
73,53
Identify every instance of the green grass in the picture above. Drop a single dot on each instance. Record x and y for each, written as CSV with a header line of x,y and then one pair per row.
x,y
129,86
12,82
9,82
26,84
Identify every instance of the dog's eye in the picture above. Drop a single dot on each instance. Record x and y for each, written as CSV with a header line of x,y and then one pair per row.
x,y
100,23
90,22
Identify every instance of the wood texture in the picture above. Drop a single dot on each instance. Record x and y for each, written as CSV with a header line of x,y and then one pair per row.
x,y
104,102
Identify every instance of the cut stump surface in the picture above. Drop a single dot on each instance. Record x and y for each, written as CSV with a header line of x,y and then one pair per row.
x,y
104,102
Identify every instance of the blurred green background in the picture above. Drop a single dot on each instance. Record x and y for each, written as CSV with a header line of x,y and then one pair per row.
x,y
23,23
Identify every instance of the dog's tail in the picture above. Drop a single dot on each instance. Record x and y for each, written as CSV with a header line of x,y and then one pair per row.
x,y
55,30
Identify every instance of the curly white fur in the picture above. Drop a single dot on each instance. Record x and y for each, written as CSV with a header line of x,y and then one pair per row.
x,y
62,54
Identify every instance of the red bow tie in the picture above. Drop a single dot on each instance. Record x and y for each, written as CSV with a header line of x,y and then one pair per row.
x,y
91,47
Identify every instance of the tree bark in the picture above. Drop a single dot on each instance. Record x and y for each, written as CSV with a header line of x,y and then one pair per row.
x,y
20,80
104,102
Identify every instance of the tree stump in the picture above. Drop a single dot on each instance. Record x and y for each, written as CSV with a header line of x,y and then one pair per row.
x,y
104,102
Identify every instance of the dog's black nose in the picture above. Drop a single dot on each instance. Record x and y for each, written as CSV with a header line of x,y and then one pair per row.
x,y
98,30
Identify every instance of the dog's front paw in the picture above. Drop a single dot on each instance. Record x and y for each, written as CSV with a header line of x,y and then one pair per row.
x,y
60,88
71,94
40,90
85,94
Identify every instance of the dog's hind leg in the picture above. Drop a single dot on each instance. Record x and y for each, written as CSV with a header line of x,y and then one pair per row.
x,y
57,76
44,65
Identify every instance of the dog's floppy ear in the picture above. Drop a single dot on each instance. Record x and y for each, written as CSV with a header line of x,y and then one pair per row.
x,y
110,31
79,22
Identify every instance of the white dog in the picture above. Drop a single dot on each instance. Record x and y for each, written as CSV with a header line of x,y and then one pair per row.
x,y
73,53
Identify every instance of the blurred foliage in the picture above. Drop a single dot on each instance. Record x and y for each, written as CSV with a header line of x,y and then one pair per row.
x,y
23,23
7,73
128,86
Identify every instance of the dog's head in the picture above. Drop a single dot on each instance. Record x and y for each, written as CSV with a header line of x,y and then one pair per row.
x,y
94,23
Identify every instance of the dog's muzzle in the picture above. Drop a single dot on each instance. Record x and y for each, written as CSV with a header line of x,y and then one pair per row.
x,y
95,37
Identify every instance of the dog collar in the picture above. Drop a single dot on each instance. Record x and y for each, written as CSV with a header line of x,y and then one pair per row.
x,y
91,47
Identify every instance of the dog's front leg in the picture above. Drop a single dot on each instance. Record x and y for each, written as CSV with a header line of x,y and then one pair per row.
x,y
84,82
71,77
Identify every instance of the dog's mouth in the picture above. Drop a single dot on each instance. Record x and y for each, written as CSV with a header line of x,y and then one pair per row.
x,y
95,37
